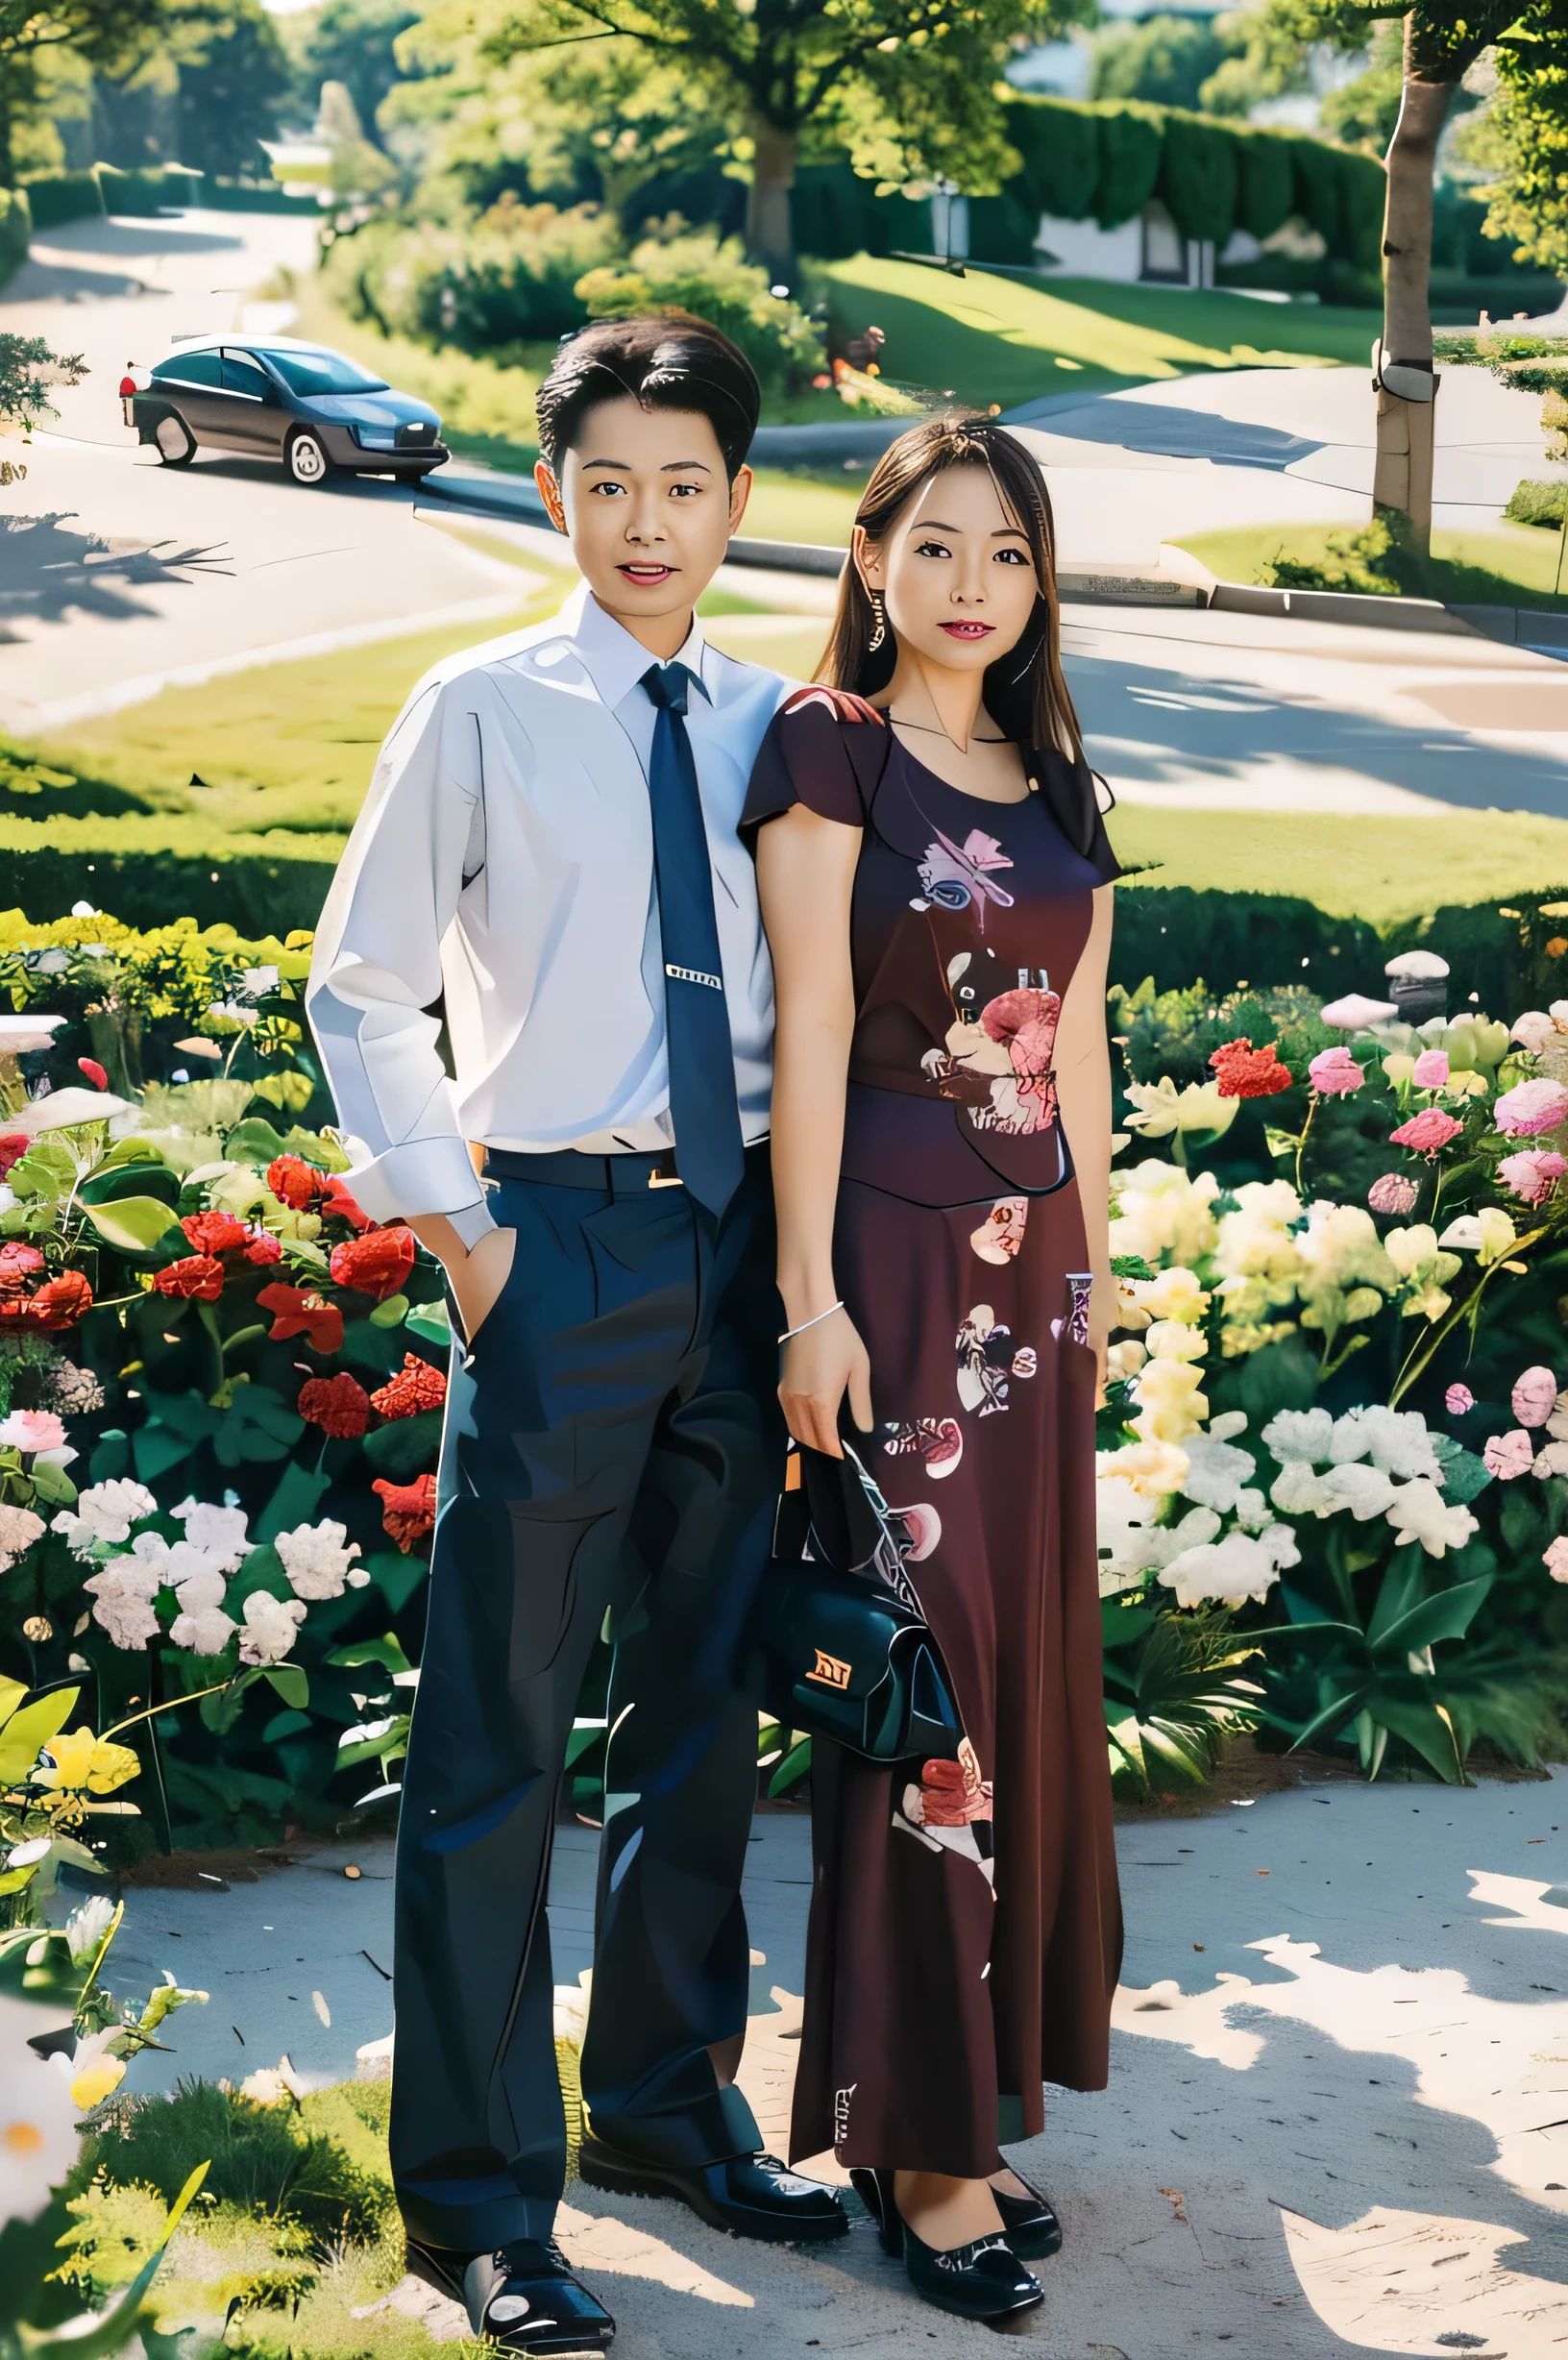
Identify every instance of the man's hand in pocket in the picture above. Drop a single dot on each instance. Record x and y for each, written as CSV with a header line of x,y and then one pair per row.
x,y
476,1278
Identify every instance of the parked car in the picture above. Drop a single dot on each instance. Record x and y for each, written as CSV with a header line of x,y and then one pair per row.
x,y
279,398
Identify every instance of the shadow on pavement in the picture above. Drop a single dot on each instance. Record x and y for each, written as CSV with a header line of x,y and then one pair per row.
x,y
1167,432
48,570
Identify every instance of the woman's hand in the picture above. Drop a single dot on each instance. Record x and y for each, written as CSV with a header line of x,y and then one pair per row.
x,y
477,1277
820,1366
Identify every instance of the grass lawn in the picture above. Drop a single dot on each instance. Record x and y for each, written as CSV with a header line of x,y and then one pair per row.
x,y
1380,869
1508,565
987,338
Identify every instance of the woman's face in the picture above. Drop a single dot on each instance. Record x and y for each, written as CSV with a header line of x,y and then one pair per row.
x,y
955,571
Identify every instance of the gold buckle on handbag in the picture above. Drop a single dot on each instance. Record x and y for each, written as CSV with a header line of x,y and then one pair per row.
x,y
830,1671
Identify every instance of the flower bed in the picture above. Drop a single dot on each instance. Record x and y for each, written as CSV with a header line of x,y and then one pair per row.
x,y
1334,1480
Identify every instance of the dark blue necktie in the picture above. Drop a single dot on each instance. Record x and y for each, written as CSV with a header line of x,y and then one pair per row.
x,y
709,1155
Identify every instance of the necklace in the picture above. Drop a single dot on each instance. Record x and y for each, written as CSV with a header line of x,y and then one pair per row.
x,y
929,730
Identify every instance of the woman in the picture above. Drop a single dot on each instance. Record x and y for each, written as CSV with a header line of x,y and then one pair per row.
x,y
935,883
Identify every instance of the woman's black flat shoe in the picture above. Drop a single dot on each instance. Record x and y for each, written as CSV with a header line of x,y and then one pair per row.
x,y
982,2281
1029,2224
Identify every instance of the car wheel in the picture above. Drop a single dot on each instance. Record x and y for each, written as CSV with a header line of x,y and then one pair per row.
x,y
176,443
306,460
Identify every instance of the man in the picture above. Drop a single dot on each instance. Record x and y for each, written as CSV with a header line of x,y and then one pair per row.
x,y
549,848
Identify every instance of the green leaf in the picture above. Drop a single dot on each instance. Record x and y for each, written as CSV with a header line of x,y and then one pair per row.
x,y
254,1141
294,1502
290,1683
397,1577
1282,1376
1425,1728
430,1320
285,1725
1464,1474
1402,1589
1344,1708
132,1225
311,1149
1446,1616
12,1693
390,1314
406,1447
288,1091
29,1730
112,1454
45,1171
385,1652
792,1770
52,1484
116,2326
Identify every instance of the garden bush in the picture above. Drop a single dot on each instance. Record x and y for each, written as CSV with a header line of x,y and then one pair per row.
x,y
1132,140
1198,176
1062,151
15,230
146,867
1537,503
500,280
692,270
1266,176
63,196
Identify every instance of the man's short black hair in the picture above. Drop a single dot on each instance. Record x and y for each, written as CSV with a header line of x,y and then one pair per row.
x,y
666,360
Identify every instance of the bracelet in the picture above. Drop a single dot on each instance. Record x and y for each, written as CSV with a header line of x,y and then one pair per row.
x,y
810,1323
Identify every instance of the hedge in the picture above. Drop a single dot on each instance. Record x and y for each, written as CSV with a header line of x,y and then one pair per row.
x,y
1132,140
1198,176
63,196
148,870
16,228
1061,148
1266,167
149,192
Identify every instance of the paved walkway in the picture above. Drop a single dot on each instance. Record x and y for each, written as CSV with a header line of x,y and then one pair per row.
x,y
1338,2120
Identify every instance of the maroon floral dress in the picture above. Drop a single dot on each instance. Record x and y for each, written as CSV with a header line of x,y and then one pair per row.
x,y
966,1926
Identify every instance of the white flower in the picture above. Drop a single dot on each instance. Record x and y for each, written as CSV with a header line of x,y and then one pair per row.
x,y
1396,1441
1296,1492
1227,1425
368,1733
270,1628
1299,1433
1355,1012
86,1927
19,1528
219,1531
1420,1513
107,1512
75,1390
206,1629
124,1591
1366,1490
38,2121
60,1109
260,980
1215,1470
1228,1571
1161,1209
1252,1510
1173,1339
315,1558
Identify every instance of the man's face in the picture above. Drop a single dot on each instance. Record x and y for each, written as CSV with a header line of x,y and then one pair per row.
x,y
645,500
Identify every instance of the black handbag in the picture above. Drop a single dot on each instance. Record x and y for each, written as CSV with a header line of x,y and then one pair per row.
x,y
837,1646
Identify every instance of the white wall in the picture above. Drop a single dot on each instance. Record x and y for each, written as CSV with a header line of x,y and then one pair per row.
x,y
1083,250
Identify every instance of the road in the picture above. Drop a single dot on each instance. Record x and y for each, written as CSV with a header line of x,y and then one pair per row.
x,y
119,575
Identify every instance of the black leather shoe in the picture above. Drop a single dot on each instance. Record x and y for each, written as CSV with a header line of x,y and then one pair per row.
x,y
983,2282
523,2298
751,2195
1029,2224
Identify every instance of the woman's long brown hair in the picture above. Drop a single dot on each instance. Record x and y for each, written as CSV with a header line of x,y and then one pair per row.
x,y
1025,691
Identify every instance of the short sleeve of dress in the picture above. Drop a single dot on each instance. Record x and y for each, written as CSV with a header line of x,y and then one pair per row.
x,y
807,757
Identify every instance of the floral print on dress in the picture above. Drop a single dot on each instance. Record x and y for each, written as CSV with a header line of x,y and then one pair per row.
x,y
956,875
1000,1237
998,1064
950,1810
1080,1289
940,1442
986,1356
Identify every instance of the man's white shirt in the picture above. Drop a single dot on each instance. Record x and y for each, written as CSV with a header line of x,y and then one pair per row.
x,y
505,859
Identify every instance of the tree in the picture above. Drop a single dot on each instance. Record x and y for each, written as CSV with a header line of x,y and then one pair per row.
x,y
353,43
1163,59
910,86
109,35
1522,140
233,77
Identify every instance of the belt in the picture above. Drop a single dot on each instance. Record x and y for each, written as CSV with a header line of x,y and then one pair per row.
x,y
606,1175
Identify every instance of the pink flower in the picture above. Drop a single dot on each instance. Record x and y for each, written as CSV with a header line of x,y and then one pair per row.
x,y
1392,1194
1024,1022
1457,1399
1429,1130
1534,1397
31,1430
1531,1173
1335,1073
1430,1070
1508,1455
1555,1557
1530,1108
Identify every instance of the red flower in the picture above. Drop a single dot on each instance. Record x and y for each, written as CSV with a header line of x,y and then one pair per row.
x,y
261,1245
298,1311
1246,1072
59,1303
294,1182
375,1265
407,1509
93,1071
416,1387
339,1405
14,1145
339,1201
17,1262
214,1233
198,1275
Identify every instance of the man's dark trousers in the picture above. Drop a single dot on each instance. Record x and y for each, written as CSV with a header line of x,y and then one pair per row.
x,y
612,1448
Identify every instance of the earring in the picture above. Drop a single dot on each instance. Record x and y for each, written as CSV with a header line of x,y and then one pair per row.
x,y
881,631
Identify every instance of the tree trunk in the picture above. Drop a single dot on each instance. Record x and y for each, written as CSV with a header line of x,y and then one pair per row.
x,y
8,177
1408,387
768,231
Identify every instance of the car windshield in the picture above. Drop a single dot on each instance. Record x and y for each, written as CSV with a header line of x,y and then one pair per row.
x,y
319,372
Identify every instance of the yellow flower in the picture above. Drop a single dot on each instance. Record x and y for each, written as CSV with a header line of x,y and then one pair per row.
x,y
1173,1339
1162,1210
1169,1403
1464,1086
1409,1248
1497,1236
97,2081
84,1760
1398,1067
1153,1468
1161,1108
1174,1295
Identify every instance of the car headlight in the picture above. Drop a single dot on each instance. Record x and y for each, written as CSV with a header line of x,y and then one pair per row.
x,y
376,437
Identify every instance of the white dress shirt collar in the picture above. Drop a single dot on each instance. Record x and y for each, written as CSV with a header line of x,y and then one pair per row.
x,y
615,660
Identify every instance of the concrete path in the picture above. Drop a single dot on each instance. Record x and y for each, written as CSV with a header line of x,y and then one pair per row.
x,y
1338,2120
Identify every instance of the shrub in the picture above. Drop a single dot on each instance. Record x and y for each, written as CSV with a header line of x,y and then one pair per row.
x,y
1198,176
262,2159
503,279
16,228
1132,137
64,196
1060,143
1266,175
1364,562
692,271
1539,503
147,867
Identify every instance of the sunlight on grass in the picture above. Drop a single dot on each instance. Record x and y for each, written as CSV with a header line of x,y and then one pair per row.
x,y
1379,869
1503,565
995,340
